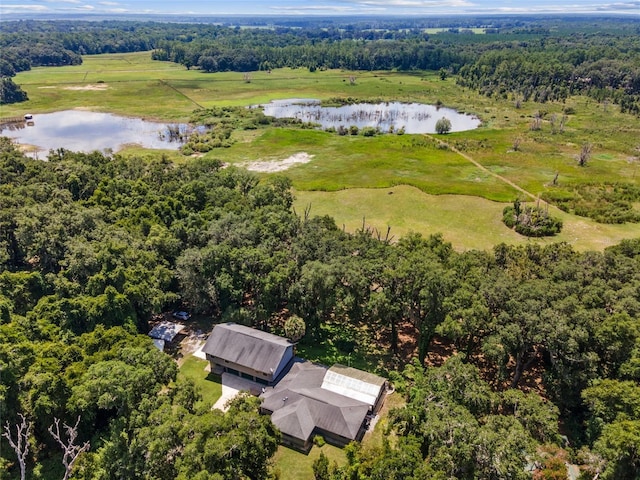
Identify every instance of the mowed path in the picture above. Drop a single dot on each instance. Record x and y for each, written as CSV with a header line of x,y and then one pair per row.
x,y
485,169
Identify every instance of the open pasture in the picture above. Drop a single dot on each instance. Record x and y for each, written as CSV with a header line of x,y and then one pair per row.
x,y
465,221
456,184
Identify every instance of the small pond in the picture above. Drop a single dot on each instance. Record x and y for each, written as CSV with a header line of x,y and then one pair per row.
x,y
413,117
85,131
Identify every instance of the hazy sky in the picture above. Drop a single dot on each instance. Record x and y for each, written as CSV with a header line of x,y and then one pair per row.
x,y
320,7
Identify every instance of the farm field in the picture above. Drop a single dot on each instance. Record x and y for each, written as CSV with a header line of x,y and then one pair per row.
x,y
456,184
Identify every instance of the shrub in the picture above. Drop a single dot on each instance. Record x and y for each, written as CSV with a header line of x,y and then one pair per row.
x,y
603,202
295,328
531,221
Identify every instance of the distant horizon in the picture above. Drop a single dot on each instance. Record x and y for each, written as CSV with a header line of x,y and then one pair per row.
x,y
313,8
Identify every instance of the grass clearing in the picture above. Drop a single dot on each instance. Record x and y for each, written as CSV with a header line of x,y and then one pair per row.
x,y
374,438
293,465
368,162
467,222
210,385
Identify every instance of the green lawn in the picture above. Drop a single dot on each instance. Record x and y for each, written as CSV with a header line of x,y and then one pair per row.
x,y
293,465
209,384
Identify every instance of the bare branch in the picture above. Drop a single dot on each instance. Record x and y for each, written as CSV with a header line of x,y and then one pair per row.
x,y
585,154
71,451
20,444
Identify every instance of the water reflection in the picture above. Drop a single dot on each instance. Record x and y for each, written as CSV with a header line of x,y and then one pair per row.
x,y
390,116
85,131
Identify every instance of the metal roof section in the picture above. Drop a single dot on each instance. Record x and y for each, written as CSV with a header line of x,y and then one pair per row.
x,y
166,331
353,383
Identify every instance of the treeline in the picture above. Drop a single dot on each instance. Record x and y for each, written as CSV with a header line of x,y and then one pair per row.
x,y
541,68
603,67
530,59
27,44
91,246
250,50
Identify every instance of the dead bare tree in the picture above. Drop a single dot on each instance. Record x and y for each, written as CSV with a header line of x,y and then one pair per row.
x,y
518,103
553,120
20,444
563,122
71,451
516,143
536,123
585,154
352,80
246,77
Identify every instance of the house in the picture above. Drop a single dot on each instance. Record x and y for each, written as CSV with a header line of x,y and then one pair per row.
x,y
165,332
248,353
304,399
335,402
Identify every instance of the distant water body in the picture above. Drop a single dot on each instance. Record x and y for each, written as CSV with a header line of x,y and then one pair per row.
x,y
85,131
388,116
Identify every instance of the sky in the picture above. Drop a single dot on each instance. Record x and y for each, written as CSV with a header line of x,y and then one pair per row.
x,y
319,7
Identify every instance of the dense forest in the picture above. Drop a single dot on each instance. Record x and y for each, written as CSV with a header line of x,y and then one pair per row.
x,y
92,245
528,60
542,344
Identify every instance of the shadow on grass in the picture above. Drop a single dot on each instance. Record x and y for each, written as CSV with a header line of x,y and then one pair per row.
x,y
293,465
210,384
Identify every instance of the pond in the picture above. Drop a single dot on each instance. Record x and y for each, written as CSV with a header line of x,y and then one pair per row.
x,y
413,117
85,131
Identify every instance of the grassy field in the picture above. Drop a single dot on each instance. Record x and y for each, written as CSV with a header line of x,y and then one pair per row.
x,y
209,384
467,222
435,187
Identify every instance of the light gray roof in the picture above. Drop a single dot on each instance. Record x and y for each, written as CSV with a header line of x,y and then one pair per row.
x,y
299,404
255,349
166,331
353,383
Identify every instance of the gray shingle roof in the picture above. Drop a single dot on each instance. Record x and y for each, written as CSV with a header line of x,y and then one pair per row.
x,y
255,349
299,404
